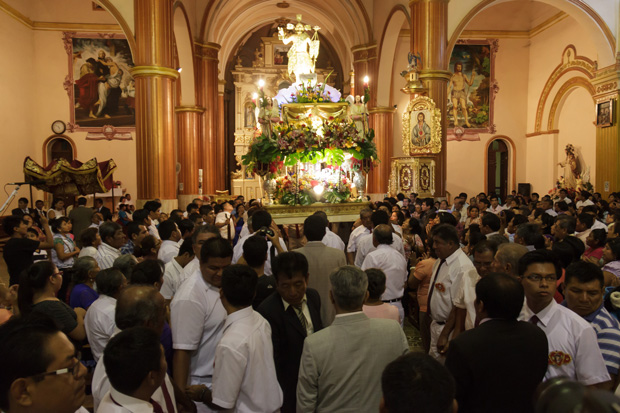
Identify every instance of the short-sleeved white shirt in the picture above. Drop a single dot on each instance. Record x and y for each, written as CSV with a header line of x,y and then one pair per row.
x,y
99,324
173,278
107,255
394,265
573,347
197,319
244,374
238,252
153,230
447,284
168,250
332,240
365,247
355,236
221,218
466,297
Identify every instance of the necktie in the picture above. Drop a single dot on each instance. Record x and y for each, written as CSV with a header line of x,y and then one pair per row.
x,y
535,320
156,407
430,292
300,314
167,398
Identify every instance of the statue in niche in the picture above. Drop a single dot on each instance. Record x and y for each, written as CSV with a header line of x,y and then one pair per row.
x,y
572,167
358,113
248,115
268,115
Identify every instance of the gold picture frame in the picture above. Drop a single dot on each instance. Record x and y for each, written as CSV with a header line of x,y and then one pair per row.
x,y
421,127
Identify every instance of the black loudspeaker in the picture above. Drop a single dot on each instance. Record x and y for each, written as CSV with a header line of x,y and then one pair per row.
x,y
524,189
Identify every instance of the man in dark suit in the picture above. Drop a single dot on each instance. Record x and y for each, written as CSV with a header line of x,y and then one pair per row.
x,y
22,208
105,211
80,218
499,364
284,311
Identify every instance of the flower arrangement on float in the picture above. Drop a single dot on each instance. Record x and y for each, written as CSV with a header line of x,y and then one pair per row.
x,y
583,184
308,189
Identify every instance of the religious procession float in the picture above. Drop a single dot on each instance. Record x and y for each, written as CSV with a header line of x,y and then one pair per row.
x,y
314,145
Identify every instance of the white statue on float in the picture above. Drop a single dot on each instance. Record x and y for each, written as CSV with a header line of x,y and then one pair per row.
x,y
358,113
304,51
268,115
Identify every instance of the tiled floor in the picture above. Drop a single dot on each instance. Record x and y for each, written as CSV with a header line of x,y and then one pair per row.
x,y
413,336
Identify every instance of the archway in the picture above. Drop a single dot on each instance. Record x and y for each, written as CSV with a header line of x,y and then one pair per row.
x,y
58,146
398,18
497,168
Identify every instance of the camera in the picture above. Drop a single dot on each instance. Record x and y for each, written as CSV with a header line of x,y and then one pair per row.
x,y
266,231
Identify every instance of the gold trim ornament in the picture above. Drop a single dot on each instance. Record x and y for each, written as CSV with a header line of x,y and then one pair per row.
x,y
421,127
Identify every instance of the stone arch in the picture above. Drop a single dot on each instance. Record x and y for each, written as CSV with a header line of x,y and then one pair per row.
x,y
47,147
512,161
560,97
185,54
387,49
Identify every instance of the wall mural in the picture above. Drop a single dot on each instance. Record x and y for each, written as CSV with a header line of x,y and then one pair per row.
x,y
100,86
472,89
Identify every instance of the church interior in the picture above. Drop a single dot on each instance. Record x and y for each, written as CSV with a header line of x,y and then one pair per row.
x,y
189,69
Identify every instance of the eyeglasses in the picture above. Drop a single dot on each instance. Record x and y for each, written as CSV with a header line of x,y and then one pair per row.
x,y
74,369
539,278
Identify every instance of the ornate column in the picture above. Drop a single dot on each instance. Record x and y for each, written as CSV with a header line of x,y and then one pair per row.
x,y
223,178
607,87
188,139
382,121
208,98
155,75
429,37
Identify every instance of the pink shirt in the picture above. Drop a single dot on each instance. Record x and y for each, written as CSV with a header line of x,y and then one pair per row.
x,y
384,310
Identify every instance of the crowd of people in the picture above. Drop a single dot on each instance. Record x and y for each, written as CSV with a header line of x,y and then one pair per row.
x,y
217,307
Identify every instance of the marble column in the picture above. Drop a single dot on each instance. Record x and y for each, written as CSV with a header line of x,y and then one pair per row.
x,y
429,37
155,76
382,121
188,139
222,146
210,160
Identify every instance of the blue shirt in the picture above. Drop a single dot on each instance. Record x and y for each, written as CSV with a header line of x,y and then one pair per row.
x,y
127,248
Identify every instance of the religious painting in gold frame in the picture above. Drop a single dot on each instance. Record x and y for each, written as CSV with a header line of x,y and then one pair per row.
x,y
421,127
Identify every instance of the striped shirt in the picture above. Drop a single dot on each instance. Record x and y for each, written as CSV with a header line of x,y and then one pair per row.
x,y
107,255
608,335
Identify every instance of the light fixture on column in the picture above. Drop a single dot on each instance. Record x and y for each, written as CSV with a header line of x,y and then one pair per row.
x,y
414,85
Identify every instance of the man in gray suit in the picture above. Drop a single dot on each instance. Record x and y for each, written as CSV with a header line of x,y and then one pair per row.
x,y
80,218
341,365
322,260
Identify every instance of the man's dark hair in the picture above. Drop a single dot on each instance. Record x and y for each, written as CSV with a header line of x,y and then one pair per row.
x,y
447,218
484,246
186,247
87,237
584,272
614,246
428,202
518,220
23,343
542,256
210,228
152,206
485,202
383,234
215,248
260,218
586,219
166,229
191,206
493,196
376,283
502,296
125,264
416,382
205,209
255,250
147,272
141,310
314,228
446,232
530,233
107,230
109,281
22,199
586,194
599,235
81,201
492,221
10,223
288,264
176,215
569,250
194,217
185,226
96,201
379,217
133,228
323,215
562,206
130,356
239,285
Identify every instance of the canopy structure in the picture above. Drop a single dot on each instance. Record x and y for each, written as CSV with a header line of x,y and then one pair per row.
x,y
71,178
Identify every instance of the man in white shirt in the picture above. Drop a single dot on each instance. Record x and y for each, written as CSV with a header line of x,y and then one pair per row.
x,y
490,225
136,367
330,239
112,239
584,199
244,377
364,229
583,226
446,283
154,209
173,272
392,263
365,244
495,207
261,219
139,306
197,317
200,236
563,197
99,320
225,223
170,236
573,346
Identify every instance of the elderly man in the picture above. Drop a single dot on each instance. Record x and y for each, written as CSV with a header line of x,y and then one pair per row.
x,y
584,289
507,258
326,362
573,349
365,244
112,239
364,229
392,263
40,371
